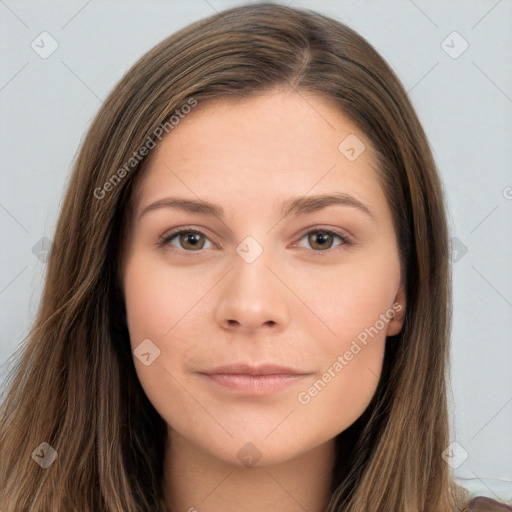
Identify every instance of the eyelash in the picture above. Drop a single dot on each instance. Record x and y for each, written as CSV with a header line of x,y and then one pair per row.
x,y
166,239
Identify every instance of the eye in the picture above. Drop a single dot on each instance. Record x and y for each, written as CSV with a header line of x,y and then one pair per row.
x,y
187,239
321,240
190,240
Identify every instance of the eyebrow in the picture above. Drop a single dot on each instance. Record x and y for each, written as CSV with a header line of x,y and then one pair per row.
x,y
294,206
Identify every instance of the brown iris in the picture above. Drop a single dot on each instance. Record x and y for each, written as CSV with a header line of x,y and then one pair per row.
x,y
320,240
194,240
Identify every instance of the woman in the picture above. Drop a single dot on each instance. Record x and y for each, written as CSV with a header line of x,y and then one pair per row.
x,y
247,304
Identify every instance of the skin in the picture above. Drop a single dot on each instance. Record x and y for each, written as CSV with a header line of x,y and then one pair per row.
x,y
301,303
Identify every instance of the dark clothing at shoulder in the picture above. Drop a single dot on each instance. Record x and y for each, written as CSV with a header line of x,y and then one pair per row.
x,y
484,504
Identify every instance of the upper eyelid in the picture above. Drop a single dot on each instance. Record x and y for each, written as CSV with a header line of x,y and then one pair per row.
x,y
345,237
176,231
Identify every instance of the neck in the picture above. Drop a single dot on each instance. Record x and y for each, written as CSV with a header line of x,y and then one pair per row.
x,y
196,481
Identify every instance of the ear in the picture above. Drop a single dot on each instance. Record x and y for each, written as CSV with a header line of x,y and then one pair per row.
x,y
396,323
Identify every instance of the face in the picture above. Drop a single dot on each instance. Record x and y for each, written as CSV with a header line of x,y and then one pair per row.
x,y
260,245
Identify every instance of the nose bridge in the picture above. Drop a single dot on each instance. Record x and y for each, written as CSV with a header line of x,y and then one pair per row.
x,y
252,297
254,276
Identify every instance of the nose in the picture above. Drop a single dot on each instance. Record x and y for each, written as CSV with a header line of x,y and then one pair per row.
x,y
253,298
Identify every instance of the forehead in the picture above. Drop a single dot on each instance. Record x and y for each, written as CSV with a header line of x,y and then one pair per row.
x,y
261,148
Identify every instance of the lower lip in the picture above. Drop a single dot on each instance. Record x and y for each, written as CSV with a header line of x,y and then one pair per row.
x,y
255,384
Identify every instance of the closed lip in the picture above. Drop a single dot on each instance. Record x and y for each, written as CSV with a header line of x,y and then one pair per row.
x,y
247,369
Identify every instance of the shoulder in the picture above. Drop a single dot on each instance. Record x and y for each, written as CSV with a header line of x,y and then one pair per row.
x,y
484,504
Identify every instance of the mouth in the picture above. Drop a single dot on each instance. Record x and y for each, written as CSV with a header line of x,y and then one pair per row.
x,y
255,380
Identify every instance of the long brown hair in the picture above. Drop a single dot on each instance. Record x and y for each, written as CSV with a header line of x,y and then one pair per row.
x,y
74,384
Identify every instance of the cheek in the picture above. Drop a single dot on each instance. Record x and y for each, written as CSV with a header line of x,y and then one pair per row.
x,y
158,299
344,390
165,306
355,303
157,306
352,299
145,311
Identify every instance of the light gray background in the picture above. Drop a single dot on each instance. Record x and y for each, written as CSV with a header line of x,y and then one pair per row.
x,y
464,103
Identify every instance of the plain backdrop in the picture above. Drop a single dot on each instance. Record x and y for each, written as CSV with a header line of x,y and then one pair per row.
x,y
453,57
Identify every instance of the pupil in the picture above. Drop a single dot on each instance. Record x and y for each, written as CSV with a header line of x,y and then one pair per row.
x,y
192,239
320,238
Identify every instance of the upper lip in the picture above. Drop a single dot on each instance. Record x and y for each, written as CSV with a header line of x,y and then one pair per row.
x,y
247,369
